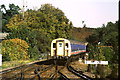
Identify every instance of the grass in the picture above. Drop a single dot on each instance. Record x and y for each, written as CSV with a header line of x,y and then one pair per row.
x,y
8,64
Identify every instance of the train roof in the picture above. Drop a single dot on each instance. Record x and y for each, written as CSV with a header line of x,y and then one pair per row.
x,y
72,41
61,39
77,42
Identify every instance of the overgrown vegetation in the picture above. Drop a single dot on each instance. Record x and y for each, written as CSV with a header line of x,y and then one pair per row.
x,y
103,46
8,64
37,27
81,34
7,14
30,36
14,49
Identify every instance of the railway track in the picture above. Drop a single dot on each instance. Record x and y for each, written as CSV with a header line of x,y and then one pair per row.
x,y
36,71
26,71
79,73
73,74
51,73
44,70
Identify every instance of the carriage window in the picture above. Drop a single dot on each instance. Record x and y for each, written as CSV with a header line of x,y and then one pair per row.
x,y
67,45
54,45
60,44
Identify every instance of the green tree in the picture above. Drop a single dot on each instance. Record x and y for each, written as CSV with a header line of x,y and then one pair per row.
x,y
47,18
40,27
37,40
111,39
107,36
7,14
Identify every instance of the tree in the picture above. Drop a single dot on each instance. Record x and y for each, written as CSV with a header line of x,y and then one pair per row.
x,y
60,24
108,36
14,49
37,40
111,39
7,14
47,18
40,27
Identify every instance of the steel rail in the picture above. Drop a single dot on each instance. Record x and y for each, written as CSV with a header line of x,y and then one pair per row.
x,y
65,77
20,67
55,74
20,70
37,73
79,74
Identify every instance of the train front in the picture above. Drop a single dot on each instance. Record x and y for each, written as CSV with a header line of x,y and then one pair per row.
x,y
60,48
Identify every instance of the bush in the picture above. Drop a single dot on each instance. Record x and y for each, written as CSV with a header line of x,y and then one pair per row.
x,y
114,74
34,53
103,70
14,49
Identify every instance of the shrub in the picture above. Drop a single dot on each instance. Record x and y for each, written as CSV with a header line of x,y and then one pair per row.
x,y
14,49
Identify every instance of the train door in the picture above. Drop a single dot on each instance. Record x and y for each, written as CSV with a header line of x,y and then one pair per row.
x,y
60,48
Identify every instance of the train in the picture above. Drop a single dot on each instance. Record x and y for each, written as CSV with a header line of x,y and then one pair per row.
x,y
64,48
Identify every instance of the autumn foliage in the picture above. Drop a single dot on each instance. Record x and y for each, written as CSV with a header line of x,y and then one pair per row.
x,y
81,34
14,49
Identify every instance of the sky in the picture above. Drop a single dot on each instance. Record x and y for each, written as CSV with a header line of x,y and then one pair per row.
x,y
94,13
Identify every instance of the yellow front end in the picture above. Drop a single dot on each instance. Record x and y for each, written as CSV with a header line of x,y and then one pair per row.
x,y
60,47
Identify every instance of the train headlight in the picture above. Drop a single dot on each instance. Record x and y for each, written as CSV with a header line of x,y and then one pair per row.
x,y
86,54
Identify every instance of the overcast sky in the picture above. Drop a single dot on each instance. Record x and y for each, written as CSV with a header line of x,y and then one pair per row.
x,y
93,12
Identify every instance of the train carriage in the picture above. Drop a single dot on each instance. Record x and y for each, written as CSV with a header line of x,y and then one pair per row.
x,y
63,48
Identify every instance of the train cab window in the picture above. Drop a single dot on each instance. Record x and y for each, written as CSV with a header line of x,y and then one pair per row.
x,y
66,45
60,44
54,45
